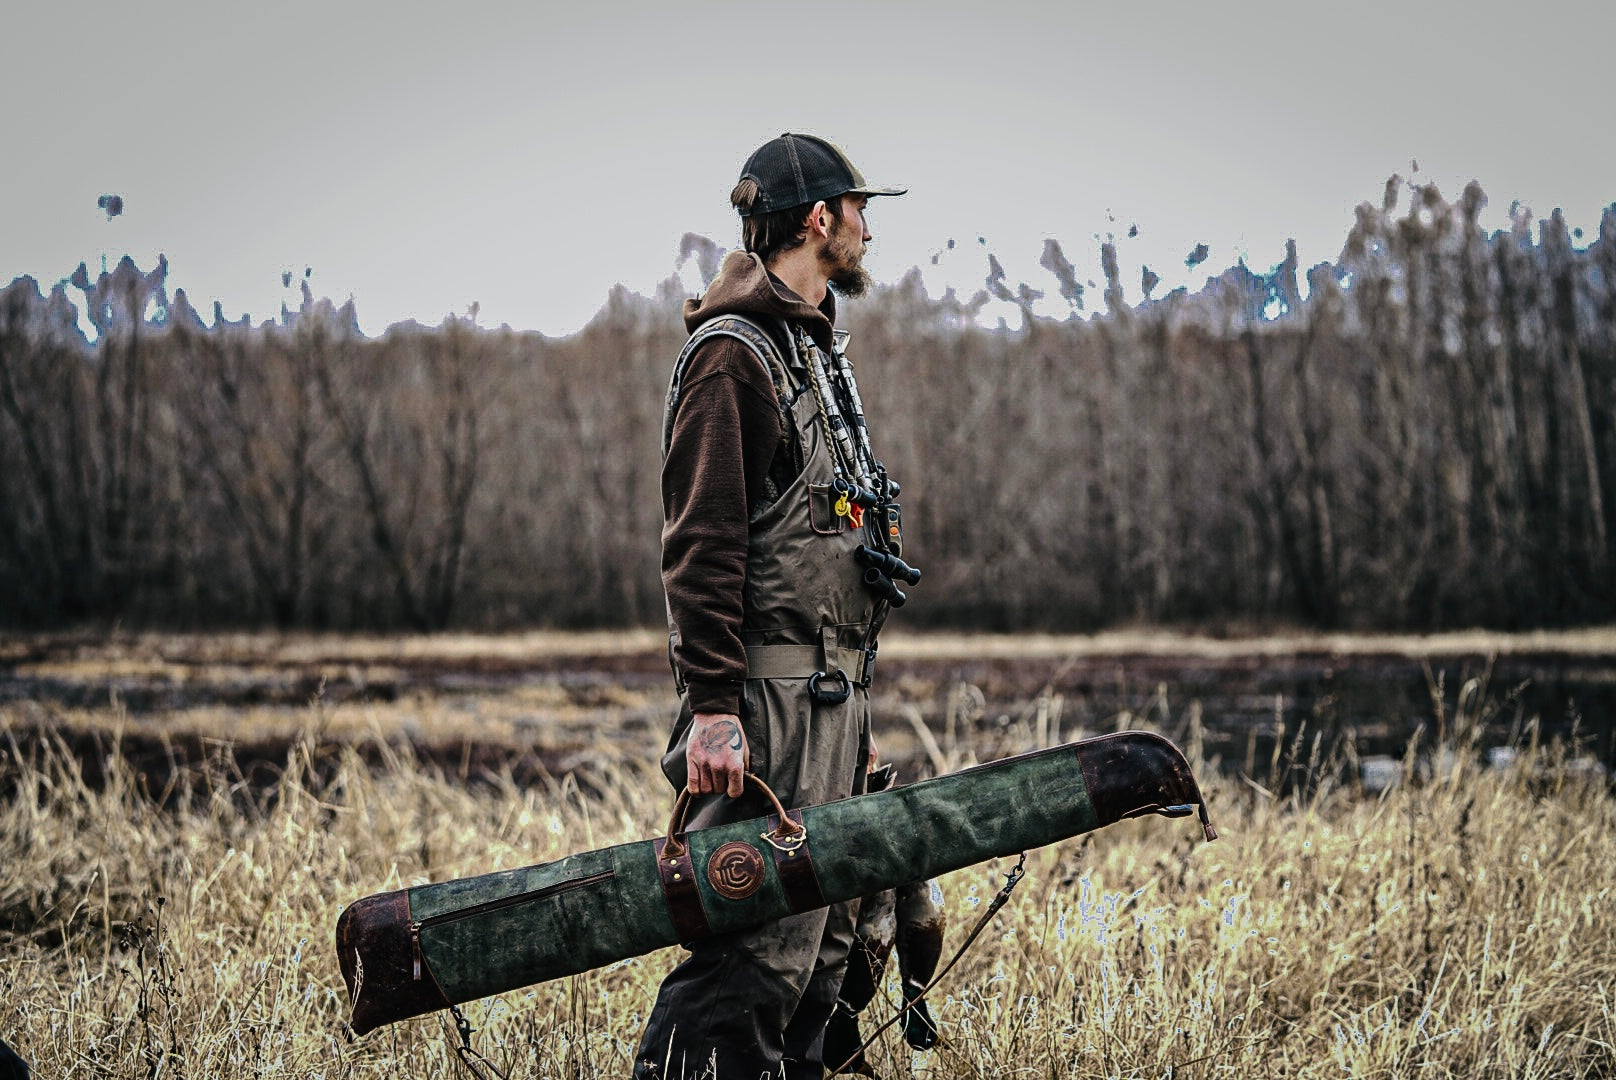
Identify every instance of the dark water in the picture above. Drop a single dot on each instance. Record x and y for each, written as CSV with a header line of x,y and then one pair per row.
x,y
1362,704
1251,714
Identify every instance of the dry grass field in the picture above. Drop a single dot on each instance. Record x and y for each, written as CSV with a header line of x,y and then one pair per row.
x,y
173,916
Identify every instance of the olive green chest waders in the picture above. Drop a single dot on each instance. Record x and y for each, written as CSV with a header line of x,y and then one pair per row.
x,y
755,997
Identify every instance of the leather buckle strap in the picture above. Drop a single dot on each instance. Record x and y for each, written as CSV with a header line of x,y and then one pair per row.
x,y
680,891
795,868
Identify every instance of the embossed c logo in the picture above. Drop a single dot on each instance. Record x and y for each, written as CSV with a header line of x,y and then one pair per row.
x,y
735,870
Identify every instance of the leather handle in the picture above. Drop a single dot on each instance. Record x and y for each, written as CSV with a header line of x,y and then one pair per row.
x,y
674,846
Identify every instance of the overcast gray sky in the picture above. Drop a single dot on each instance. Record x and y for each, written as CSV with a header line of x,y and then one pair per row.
x,y
526,156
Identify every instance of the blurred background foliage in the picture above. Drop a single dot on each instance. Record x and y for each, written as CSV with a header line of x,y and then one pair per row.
x,y
1420,435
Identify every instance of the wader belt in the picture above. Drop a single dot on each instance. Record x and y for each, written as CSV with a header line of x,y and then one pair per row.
x,y
797,662
801,661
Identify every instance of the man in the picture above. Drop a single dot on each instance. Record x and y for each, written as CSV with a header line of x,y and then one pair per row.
x,y
775,513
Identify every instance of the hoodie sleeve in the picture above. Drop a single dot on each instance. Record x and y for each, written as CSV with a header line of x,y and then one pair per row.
x,y
725,434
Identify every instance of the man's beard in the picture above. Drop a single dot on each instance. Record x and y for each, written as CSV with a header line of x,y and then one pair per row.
x,y
854,281
843,257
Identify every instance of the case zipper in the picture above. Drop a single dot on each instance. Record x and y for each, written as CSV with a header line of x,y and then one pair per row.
x,y
492,905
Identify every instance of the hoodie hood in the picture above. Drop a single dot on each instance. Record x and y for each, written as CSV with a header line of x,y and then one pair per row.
x,y
744,287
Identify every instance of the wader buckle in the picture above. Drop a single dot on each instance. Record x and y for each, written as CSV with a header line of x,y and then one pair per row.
x,y
869,667
828,696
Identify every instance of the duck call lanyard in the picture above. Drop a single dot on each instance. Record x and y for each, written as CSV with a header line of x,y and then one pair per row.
x,y
849,442
860,481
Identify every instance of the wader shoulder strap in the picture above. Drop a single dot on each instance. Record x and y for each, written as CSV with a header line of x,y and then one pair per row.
x,y
755,338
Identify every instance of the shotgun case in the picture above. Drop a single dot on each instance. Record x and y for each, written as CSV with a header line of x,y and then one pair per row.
x,y
412,951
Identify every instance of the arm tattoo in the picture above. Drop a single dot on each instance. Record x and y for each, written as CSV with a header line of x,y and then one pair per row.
x,y
722,734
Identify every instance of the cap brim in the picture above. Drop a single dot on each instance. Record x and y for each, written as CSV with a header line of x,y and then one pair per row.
x,y
869,189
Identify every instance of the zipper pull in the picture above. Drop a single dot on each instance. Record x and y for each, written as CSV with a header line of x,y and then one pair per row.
x,y
415,948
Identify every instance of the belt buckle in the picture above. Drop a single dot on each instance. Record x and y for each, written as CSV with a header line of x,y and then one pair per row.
x,y
826,695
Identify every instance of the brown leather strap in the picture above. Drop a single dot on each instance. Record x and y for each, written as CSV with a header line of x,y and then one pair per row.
x,y
681,808
680,892
795,866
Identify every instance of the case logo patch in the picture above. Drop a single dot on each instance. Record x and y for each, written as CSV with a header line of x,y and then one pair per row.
x,y
735,870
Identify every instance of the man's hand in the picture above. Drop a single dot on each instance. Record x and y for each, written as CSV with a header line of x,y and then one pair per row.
x,y
717,755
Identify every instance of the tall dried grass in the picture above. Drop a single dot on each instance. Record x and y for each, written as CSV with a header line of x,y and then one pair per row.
x,y
1462,924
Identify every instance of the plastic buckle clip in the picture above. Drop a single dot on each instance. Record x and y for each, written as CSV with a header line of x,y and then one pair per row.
x,y
829,696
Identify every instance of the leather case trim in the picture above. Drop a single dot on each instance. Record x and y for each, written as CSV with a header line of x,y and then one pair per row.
x,y
796,870
681,893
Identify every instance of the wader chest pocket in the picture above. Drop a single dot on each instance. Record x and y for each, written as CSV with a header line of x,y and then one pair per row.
x,y
822,516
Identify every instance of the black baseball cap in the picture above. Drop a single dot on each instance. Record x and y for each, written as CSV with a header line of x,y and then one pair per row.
x,y
796,169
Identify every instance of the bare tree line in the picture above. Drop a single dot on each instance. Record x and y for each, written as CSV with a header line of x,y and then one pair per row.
x,y
1424,436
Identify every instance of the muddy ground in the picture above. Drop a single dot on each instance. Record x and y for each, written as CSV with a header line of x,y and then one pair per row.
x,y
1273,708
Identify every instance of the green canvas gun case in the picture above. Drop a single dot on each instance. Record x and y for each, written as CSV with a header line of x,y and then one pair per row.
x,y
412,951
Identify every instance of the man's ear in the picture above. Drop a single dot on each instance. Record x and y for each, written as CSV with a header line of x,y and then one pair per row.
x,y
820,219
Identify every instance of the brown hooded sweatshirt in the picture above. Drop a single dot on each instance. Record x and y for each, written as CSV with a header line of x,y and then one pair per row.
x,y
726,434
